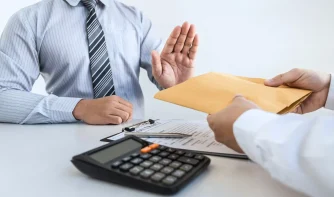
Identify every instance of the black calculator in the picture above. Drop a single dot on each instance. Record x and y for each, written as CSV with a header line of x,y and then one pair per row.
x,y
136,163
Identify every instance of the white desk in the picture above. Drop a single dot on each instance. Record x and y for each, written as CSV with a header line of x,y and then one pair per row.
x,y
35,161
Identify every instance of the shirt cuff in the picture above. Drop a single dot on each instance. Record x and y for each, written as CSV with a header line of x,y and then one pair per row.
x,y
247,126
157,84
330,98
62,109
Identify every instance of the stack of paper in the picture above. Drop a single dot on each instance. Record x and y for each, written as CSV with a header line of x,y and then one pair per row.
x,y
202,139
213,92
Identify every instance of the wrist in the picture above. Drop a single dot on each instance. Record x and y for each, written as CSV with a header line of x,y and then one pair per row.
x,y
246,129
328,80
329,103
80,109
327,88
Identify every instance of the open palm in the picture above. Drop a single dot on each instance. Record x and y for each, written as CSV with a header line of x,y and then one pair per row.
x,y
176,62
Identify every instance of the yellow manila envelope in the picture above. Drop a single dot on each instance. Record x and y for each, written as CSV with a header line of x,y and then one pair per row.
x,y
212,92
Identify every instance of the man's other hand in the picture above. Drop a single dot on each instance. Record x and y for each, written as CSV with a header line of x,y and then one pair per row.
x,y
222,122
103,111
176,62
319,83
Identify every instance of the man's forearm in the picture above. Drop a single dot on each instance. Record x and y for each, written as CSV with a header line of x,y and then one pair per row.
x,y
27,108
292,148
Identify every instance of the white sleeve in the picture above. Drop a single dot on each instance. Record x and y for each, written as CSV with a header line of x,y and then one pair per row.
x,y
296,150
330,98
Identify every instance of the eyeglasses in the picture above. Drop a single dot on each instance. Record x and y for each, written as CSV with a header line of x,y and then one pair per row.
x,y
133,127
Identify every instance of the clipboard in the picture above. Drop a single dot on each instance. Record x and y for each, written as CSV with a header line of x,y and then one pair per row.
x,y
152,122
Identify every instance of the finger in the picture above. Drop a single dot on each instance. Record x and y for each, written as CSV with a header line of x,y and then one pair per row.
x,y
131,116
295,111
238,96
190,39
171,42
182,37
114,120
124,102
124,108
209,119
194,48
285,78
156,64
298,110
119,113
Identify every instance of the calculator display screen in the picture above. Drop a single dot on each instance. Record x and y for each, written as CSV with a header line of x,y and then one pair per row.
x,y
115,151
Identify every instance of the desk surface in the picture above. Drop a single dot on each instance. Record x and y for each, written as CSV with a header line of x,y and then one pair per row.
x,y
35,161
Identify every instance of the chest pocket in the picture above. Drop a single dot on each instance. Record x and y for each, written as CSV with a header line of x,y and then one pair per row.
x,y
124,46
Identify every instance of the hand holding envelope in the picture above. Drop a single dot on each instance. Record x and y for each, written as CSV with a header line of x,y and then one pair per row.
x,y
212,92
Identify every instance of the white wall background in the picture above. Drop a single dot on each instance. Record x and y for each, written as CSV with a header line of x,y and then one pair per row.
x,y
256,38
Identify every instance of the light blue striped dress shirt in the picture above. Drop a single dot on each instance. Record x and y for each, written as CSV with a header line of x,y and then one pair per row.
x,y
49,38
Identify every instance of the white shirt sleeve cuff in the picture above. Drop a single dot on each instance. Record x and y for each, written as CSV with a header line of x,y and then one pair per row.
x,y
246,128
330,98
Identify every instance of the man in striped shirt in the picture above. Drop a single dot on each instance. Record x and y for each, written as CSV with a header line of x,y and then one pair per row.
x,y
89,54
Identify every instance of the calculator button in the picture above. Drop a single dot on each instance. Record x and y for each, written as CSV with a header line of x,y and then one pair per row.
x,y
136,161
188,160
126,159
186,167
167,170
175,164
154,152
146,150
146,164
116,164
170,180
126,167
145,156
146,173
136,170
189,155
180,152
155,159
173,156
178,173
158,176
171,150
154,146
164,154
135,155
165,162
162,147
199,157
157,167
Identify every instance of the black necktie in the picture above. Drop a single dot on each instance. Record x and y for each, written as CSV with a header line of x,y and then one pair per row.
x,y
102,77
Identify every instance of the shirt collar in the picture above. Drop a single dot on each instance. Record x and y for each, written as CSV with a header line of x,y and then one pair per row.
x,y
76,2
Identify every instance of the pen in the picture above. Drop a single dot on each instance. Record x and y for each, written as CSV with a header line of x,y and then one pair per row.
x,y
156,135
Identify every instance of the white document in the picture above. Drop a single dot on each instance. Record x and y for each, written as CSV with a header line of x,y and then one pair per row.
x,y
202,137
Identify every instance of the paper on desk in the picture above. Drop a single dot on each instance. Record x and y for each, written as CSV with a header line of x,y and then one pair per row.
x,y
213,92
202,137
